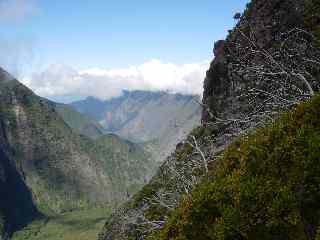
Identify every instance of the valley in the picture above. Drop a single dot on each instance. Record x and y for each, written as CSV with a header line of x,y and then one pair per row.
x,y
157,120
74,225
70,165
53,167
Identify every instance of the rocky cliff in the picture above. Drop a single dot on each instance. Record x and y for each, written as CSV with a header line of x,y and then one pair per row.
x,y
263,67
16,203
267,25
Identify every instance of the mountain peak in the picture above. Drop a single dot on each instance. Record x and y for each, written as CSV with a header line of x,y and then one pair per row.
x,y
5,76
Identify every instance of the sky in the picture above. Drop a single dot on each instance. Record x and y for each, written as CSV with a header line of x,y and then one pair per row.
x,y
98,47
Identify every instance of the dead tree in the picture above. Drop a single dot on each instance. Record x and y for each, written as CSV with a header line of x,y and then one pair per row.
x,y
277,78
267,79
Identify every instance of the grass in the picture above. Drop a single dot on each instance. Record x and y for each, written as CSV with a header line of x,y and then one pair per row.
x,y
76,225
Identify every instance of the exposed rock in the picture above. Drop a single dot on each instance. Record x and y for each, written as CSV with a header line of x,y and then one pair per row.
x,y
267,20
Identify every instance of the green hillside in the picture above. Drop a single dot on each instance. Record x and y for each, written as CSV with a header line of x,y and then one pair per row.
x,y
266,186
49,152
81,123
43,162
124,162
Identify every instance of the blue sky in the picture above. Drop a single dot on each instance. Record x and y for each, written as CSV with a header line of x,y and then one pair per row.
x,y
112,34
119,33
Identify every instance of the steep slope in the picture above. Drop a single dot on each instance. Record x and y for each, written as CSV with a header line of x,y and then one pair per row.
x,y
16,203
82,123
158,118
43,159
119,157
47,150
127,163
266,186
242,90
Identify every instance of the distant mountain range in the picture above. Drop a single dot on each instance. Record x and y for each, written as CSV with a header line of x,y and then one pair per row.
x,y
159,120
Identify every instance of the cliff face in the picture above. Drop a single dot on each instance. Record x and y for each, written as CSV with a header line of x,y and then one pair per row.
x,y
267,24
16,203
236,99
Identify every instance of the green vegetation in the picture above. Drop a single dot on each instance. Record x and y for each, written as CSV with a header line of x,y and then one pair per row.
x,y
52,188
123,161
312,17
146,192
79,122
266,186
1,224
75,225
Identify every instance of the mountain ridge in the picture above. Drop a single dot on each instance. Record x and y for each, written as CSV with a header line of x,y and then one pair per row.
x,y
159,119
79,122
59,169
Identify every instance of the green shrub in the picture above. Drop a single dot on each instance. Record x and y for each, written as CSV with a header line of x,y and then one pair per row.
x,y
266,186
312,17
318,234
1,224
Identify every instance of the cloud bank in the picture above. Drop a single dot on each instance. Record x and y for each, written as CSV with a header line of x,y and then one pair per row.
x,y
154,75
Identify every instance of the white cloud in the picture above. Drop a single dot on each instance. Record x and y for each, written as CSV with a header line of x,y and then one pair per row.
x,y
17,9
153,75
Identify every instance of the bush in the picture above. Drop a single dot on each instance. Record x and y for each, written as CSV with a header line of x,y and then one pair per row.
x,y
312,17
266,186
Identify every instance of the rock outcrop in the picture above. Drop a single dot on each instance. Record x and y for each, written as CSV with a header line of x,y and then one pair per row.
x,y
265,22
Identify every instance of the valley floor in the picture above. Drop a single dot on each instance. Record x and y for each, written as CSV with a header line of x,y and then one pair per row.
x,y
76,225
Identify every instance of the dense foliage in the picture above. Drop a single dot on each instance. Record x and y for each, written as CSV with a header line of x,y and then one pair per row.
x,y
79,122
1,224
266,186
312,17
123,161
